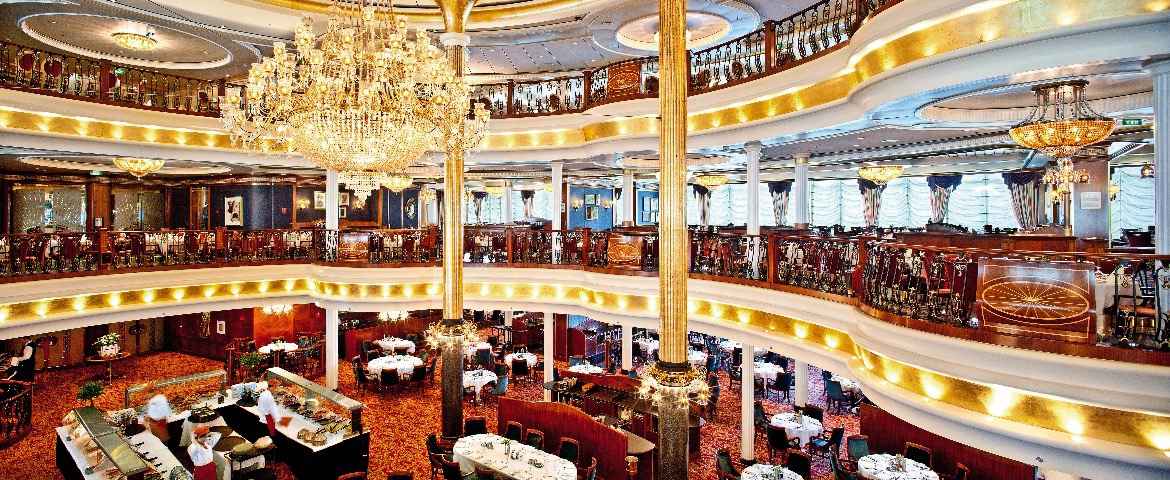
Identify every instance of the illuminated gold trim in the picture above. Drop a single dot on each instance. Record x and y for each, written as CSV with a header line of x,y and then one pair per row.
x,y
1078,420
1009,21
479,15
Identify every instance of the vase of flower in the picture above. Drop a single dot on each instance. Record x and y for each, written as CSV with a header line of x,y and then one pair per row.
x,y
109,345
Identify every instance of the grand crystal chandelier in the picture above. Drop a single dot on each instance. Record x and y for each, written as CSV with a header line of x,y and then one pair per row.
x,y
1061,123
366,95
880,174
139,167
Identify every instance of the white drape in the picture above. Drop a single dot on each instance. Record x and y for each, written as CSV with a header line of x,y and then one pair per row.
x,y
1134,206
982,199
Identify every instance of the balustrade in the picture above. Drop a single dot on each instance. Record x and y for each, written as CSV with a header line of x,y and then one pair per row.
x,y
15,411
776,46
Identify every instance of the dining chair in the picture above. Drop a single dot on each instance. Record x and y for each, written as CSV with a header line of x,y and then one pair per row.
x,y
534,438
418,376
476,425
815,412
761,416
780,385
856,446
837,396
589,472
919,454
800,464
827,447
839,470
514,431
390,378
451,470
724,466
778,440
569,449
359,373
520,369
961,472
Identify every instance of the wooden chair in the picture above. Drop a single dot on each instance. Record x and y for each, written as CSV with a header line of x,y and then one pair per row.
x,y
569,449
799,463
534,438
919,454
827,446
778,440
475,425
514,431
856,446
814,412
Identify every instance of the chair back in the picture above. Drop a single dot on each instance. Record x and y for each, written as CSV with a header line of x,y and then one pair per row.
x,y
400,475
359,373
419,373
799,463
961,472
389,376
569,449
484,356
589,472
857,446
814,412
476,425
723,463
834,390
777,437
401,350
534,438
514,431
783,379
919,454
519,367
450,469
835,437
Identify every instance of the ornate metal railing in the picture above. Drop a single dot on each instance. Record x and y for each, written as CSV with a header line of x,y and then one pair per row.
x,y
776,46
730,255
15,411
824,264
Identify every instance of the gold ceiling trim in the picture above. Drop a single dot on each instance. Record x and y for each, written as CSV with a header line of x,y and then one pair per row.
x,y
1077,420
478,15
1014,19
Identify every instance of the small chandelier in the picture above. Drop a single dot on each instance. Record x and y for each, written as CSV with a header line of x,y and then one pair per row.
x,y
279,309
397,182
441,335
362,183
142,42
710,181
393,316
1063,176
1061,123
1147,170
139,167
880,174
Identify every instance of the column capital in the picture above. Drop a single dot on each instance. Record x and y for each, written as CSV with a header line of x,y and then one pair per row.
x,y
1160,67
753,149
801,158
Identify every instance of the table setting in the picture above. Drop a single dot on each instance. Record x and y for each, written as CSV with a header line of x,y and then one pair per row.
x,y
798,426
768,370
477,379
883,466
587,368
762,471
404,364
471,348
278,347
515,460
390,344
529,358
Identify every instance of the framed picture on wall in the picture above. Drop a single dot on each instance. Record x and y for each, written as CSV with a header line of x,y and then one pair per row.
x,y
592,212
233,211
342,212
591,199
319,200
343,198
221,327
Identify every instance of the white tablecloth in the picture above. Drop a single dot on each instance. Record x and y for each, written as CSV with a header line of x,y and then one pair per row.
x,y
390,343
470,452
403,363
846,384
791,424
587,368
880,466
767,370
729,346
761,471
477,379
697,358
530,358
649,346
470,349
274,346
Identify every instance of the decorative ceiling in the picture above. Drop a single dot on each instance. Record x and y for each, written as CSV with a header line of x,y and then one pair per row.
x,y
93,36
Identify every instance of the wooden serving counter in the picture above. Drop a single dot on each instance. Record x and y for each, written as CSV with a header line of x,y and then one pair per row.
x,y
1001,241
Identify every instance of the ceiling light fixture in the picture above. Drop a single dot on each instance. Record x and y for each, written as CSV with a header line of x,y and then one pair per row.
x,y
1147,170
142,42
139,167
710,181
1061,123
880,174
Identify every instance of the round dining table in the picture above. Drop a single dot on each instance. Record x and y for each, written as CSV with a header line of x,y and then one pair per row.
x,y
529,358
761,471
587,368
278,347
390,344
404,364
471,348
491,452
768,370
883,466
800,427
477,379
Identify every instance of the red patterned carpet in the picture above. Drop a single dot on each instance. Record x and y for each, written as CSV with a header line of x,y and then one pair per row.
x,y
399,421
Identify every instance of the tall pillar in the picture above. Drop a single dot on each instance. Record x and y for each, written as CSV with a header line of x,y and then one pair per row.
x,y
671,379
558,194
629,199
627,346
753,151
800,192
332,198
452,332
332,321
1161,73
550,349
507,201
801,383
747,425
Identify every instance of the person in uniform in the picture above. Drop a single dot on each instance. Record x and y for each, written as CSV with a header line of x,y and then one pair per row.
x,y
202,457
158,410
266,404
23,367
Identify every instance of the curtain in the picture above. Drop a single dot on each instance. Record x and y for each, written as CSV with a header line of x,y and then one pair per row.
x,y
1134,205
439,206
526,198
871,196
941,187
780,192
703,195
1027,191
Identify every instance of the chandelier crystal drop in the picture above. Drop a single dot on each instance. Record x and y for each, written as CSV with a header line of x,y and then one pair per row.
x,y
711,181
880,174
1061,123
367,94
1063,176
139,167
362,183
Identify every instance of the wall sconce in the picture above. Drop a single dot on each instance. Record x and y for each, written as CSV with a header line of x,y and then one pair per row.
x,y
577,204
303,203
606,204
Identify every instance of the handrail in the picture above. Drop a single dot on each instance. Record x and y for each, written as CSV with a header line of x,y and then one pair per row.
x,y
776,46
15,411
922,287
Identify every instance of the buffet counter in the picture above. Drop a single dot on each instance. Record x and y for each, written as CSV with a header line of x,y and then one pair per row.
x,y
89,448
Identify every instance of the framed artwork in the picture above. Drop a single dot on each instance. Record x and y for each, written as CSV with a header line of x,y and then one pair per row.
x,y
319,200
221,327
342,212
592,212
343,198
233,211
591,199
410,209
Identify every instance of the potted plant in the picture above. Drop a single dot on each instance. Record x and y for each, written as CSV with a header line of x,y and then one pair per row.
x,y
250,362
89,391
108,345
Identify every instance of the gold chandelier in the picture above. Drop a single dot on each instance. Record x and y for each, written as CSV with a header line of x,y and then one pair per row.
x,y
880,174
397,182
1061,123
139,167
710,181
1063,176
367,94
142,42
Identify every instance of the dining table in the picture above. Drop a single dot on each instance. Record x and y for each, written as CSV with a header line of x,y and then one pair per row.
x,y
391,344
847,385
587,368
763,471
509,459
767,370
477,379
883,466
404,364
529,358
278,347
802,427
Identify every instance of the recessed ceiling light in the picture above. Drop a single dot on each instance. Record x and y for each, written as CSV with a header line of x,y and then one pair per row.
x,y
856,145
890,140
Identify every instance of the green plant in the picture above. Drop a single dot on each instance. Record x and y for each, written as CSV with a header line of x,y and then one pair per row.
x,y
108,339
251,360
89,391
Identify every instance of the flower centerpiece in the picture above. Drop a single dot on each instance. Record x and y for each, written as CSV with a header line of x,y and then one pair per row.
x,y
108,345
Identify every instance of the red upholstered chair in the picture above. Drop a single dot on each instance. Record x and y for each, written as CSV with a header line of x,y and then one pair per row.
x,y
778,440
534,438
961,472
588,472
919,454
569,449
800,464
514,431
476,425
